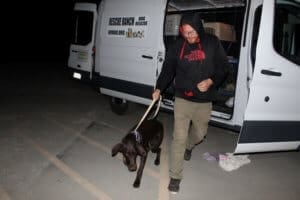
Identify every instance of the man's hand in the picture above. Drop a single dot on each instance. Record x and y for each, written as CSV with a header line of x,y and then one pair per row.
x,y
204,85
156,94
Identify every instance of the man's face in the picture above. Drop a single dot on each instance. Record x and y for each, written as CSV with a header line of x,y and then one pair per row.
x,y
189,33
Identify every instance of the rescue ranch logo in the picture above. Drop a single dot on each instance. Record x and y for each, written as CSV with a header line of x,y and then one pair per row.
x,y
129,27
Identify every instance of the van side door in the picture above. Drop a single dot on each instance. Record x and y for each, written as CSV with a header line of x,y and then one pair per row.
x,y
130,48
272,116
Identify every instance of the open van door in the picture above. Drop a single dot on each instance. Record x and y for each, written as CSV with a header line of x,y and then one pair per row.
x,y
131,48
81,55
272,116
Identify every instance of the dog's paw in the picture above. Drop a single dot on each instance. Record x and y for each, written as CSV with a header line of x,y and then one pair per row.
x,y
157,162
136,184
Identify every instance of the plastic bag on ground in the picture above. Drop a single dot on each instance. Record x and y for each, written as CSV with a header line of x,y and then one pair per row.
x,y
230,162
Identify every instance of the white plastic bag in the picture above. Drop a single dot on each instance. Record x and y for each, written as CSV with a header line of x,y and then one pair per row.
x,y
230,162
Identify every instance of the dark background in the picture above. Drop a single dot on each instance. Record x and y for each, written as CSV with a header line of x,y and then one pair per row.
x,y
36,30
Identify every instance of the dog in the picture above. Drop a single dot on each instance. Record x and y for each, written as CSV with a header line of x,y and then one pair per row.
x,y
147,138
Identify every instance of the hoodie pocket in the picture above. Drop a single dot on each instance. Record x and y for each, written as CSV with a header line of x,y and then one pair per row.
x,y
185,86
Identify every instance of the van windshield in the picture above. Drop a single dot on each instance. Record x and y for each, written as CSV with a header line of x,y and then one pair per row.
x,y
82,27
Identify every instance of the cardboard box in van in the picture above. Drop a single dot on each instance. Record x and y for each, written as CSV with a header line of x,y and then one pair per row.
x,y
225,32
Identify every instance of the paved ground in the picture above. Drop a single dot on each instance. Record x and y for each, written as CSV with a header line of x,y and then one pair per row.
x,y
55,140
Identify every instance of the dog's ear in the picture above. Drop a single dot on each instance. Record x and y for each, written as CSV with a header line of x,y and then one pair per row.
x,y
116,149
141,150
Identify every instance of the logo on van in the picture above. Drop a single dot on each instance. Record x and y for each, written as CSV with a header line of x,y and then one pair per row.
x,y
135,34
129,27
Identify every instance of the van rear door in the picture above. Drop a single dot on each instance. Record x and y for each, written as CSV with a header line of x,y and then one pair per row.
x,y
81,55
131,48
272,116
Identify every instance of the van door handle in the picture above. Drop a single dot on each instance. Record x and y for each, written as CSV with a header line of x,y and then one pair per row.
x,y
147,57
270,73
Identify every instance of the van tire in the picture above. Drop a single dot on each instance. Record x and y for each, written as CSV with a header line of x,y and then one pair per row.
x,y
118,106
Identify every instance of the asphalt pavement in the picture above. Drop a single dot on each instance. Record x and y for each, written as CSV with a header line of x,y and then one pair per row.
x,y
56,136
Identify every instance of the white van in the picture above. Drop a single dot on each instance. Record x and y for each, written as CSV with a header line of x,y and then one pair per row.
x,y
261,95
82,48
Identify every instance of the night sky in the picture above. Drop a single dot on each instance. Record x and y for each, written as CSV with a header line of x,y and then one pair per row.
x,y
36,30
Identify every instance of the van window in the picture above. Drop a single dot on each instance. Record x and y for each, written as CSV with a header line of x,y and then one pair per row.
x,y
286,37
82,27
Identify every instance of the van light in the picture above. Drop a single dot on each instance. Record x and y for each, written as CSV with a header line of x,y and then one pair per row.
x,y
76,75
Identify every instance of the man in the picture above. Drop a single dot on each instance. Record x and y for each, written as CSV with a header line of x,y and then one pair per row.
x,y
199,64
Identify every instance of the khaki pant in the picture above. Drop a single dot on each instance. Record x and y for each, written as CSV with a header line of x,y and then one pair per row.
x,y
185,135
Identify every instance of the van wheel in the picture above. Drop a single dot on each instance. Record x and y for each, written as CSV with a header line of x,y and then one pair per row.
x,y
118,106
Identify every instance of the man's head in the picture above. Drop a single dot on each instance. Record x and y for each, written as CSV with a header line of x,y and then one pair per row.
x,y
191,27
189,33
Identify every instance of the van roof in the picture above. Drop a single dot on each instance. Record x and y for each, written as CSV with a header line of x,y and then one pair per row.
x,y
181,5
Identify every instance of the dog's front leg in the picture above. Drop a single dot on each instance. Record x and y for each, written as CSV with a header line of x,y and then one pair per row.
x,y
157,160
139,173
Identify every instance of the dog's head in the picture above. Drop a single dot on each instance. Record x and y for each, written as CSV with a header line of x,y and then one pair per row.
x,y
130,151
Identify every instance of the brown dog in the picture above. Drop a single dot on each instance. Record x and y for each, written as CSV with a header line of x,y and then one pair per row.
x,y
149,136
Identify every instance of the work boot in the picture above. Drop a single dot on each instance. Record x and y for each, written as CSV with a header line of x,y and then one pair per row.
x,y
174,185
187,155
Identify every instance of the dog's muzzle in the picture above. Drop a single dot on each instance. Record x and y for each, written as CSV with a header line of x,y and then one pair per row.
x,y
132,167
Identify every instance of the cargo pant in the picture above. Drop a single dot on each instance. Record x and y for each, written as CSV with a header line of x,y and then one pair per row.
x,y
185,135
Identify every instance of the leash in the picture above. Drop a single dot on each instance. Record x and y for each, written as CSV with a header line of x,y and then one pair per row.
x,y
146,113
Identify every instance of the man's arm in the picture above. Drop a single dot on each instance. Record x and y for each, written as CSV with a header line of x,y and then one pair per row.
x,y
168,70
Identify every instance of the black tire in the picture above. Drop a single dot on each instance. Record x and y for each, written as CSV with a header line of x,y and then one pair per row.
x,y
118,106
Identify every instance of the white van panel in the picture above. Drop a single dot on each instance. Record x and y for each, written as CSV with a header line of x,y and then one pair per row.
x,y
131,59
131,41
283,90
272,115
